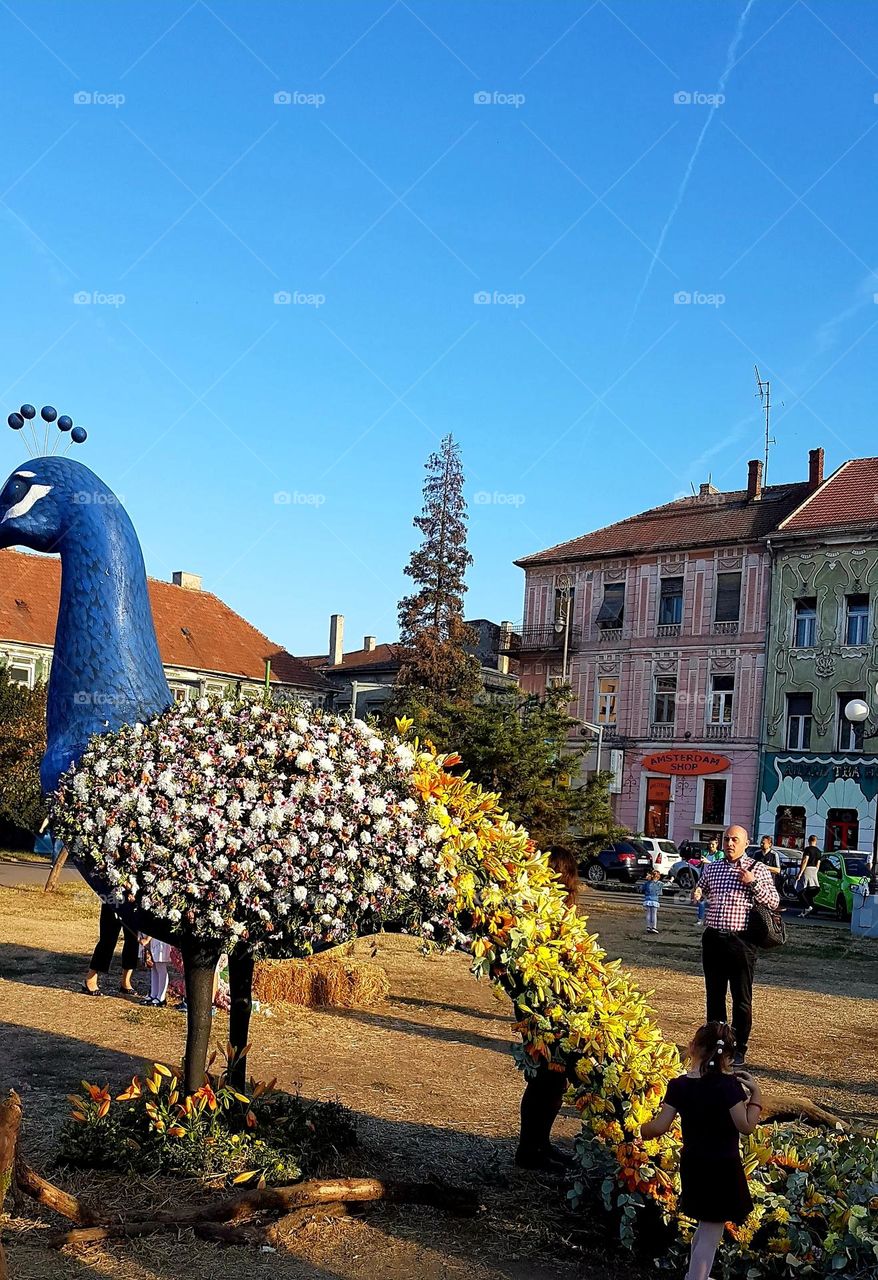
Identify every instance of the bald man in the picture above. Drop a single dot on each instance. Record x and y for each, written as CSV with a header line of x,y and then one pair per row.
x,y
731,886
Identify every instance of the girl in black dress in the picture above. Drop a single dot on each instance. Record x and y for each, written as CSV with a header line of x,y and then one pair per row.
x,y
715,1106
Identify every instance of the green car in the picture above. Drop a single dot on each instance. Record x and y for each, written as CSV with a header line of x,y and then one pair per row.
x,y
838,873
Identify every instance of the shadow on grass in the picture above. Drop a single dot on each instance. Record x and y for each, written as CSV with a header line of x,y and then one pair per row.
x,y
467,1011
451,1035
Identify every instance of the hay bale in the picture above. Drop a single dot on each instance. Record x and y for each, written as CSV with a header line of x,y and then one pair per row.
x,y
318,983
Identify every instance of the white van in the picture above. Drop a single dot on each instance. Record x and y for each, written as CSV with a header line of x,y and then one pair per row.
x,y
664,853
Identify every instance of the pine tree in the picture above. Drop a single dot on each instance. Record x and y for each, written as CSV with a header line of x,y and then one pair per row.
x,y
22,743
433,637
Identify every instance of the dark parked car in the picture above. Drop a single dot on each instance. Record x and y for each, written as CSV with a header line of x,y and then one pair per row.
x,y
625,860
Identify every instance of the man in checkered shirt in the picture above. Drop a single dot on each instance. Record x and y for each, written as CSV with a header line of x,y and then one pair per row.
x,y
731,886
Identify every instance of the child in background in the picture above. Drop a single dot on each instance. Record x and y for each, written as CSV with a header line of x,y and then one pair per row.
x,y
652,894
158,956
715,1106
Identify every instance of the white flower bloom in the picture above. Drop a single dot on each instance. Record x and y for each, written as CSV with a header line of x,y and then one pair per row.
x,y
405,881
378,805
303,759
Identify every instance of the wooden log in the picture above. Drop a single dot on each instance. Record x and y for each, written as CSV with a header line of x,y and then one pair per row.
x,y
276,1234
52,1197
55,873
777,1104
237,1209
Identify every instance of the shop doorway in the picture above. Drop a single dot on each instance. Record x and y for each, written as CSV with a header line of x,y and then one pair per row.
x,y
842,830
657,818
789,827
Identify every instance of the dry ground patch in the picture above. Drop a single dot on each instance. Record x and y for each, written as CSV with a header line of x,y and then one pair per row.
x,y
428,1073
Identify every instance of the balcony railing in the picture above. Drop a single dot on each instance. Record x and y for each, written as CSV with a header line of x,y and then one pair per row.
x,y
667,629
545,638
717,732
726,628
659,732
609,635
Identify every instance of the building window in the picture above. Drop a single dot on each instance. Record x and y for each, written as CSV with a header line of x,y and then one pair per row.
x,y
789,827
20,675
612,610
665,700
799,716
608,687
849,735
856,628
181,692
713,806
805,623
722,695
728,597
842,830
671,602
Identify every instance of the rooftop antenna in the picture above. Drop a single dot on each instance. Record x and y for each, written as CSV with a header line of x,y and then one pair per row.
x,y
763,390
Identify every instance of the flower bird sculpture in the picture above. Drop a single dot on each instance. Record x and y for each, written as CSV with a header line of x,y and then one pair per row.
x,y
220,825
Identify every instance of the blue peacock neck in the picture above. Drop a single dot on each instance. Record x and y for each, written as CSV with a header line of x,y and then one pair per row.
x,y
106,669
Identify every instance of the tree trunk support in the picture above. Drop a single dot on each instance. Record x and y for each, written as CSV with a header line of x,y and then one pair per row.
x,y
241,995
55,873
199,966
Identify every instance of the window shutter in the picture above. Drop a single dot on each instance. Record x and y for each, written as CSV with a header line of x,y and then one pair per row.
x,y
728,597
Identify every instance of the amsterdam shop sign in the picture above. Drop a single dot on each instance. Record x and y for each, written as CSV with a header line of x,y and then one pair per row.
x,y
690,763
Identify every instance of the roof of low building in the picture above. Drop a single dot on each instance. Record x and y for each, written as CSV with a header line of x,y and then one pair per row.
x,y
847,498
705,519
195,629
383,655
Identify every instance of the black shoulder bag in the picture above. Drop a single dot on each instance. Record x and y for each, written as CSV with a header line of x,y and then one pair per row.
x,y
765,928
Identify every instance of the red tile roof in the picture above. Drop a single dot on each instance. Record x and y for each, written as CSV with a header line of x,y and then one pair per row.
x,y
848,497
710,519
383,655
195,629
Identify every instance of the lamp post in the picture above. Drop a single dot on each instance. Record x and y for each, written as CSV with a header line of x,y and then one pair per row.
x,y
864,918
562,620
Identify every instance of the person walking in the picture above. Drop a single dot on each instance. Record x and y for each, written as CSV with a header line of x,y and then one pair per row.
x,y
769,856
731,887
652,896
109,928
711,854
714,1106
807,881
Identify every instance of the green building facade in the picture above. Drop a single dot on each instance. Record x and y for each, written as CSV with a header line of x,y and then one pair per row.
x,y
819,771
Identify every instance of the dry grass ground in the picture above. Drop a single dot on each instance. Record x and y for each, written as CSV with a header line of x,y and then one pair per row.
x,y
428,1072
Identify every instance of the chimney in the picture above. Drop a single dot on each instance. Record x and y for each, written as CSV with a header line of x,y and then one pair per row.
x,y
754,480
336,639
815,469
369,643
188,581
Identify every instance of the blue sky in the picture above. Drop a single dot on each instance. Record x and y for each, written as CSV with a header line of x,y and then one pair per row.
x,y
533,153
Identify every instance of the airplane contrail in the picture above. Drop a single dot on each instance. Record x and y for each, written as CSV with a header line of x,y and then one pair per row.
x,y
681,191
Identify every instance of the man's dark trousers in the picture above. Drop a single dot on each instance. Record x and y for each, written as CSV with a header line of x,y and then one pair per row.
x,y
729,961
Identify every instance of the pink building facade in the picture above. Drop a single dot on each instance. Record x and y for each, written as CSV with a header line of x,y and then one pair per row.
x,y
658,623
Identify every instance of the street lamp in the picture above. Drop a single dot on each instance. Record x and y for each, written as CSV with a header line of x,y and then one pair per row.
x,y
857,712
